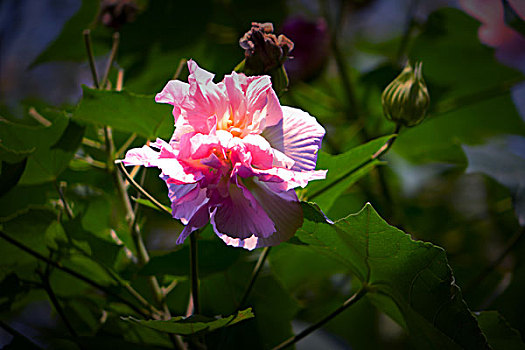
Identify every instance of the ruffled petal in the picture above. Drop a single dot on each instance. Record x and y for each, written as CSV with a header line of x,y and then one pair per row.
x,y
298,136
198,220
173,93
283,210
240,216
206,99
185,200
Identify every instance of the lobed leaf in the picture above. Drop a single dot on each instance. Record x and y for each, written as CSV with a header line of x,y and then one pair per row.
x,y
409,280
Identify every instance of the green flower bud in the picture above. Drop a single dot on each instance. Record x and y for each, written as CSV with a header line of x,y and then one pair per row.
x,y
406,100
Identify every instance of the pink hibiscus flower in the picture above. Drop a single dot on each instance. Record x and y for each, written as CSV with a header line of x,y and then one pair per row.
x,y
235,158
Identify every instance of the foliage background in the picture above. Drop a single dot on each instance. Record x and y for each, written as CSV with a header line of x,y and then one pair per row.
x,y
455,181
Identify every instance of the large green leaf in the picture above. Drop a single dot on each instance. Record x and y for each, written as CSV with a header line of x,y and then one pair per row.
x,y
126,112
193,324
410,280
499,333
338,167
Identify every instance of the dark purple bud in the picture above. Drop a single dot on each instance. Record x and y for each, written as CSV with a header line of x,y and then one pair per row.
x,y
263,50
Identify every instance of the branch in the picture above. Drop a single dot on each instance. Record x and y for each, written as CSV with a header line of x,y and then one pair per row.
x,y
73,273
255,274
349,302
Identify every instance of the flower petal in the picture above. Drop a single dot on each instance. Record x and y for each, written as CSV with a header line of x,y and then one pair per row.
x,y
283,209
240,216
299,137
173,93
185,199
198,220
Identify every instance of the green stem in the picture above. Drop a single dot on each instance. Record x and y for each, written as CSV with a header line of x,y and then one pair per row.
x,y
67,208
194,274
255,274
91,58
375,156
139,188
54,300
71,272
349,302
112,55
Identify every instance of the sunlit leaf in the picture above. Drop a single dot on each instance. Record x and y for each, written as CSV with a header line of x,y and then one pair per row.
x,y
193,324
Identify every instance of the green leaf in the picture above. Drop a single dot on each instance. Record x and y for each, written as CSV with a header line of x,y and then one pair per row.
x,y
498,332
193,324
126,112
340,165
409,280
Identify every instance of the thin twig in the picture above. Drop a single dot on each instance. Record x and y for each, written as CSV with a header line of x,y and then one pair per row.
x,y
194,274
112,55
409,27
67,208
152,199
54,300
125,145
91,58
349,302
71,272
255,273
182,62
381,151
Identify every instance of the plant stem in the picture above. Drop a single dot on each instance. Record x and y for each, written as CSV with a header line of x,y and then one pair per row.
x,y
194,273
139,188
71,272
112,55
349,302
381,151
91,58
54,300
255,274
67,208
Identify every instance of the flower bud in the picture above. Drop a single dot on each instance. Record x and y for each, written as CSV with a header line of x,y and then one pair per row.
x,y
263,50
406,100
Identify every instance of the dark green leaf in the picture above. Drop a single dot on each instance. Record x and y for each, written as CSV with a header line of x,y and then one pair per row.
x,y
411,280
126,112
498,332
193,324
